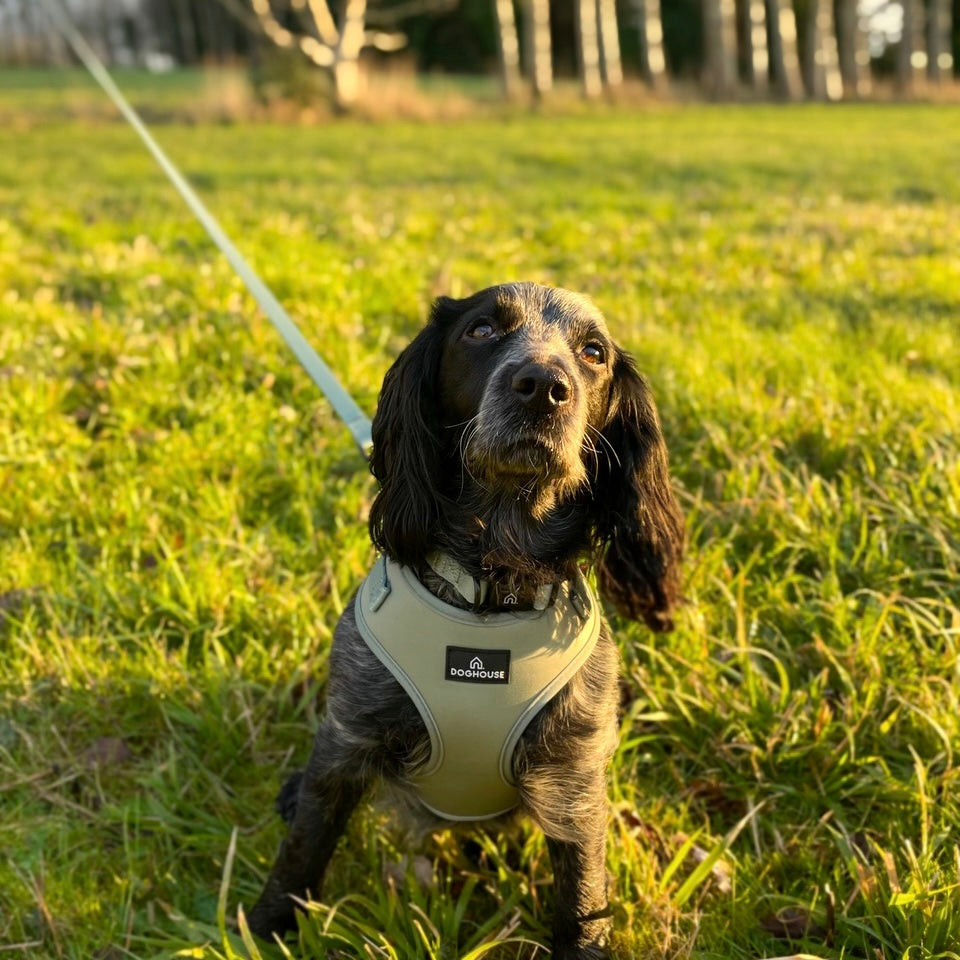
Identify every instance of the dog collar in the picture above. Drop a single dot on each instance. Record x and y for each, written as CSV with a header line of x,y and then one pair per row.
x,y
475,591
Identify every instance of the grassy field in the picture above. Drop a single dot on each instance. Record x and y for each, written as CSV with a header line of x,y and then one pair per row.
x,y
182,519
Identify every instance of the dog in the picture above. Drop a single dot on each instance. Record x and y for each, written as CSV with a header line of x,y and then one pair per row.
x,y
515,441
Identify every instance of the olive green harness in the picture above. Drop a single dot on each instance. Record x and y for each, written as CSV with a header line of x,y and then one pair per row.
x,y
476,679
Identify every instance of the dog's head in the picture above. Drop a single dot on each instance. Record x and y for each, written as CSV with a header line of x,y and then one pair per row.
x,y
520,390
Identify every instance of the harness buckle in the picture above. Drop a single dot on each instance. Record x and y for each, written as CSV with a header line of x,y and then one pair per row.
x,y
380,591
579,603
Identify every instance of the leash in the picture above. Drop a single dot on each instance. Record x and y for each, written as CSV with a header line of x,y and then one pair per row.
x,y
357,422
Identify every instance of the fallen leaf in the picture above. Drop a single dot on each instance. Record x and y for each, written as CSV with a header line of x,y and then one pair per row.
x,y
395,874
792,923
107,751
720,871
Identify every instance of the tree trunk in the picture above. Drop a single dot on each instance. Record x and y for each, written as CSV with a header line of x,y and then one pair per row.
x,y
908,56
646,19
719,43
862,51
214,35
827,32
104,36
745,72
611,71
186,49
539,52
760,53
346,64
938,39
161,19
588,48
845,12
811,57
782,44
507,47
954,46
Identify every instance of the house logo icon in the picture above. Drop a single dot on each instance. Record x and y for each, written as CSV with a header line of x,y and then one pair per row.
x,y
467,665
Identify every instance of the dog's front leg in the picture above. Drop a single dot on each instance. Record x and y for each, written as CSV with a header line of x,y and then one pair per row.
x,y
575,825
330,789
581,924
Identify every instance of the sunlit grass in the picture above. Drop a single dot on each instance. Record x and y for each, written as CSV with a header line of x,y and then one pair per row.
x,y
182,520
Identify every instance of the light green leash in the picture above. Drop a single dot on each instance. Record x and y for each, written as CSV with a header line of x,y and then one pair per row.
x,y
358,423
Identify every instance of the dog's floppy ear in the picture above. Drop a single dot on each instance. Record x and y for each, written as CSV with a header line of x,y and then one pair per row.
x,y
406,452
638,521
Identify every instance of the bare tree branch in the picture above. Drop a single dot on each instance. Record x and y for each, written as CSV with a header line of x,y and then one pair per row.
x,y
322,19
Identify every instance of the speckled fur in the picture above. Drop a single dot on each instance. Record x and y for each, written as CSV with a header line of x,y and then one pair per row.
x,y
519,493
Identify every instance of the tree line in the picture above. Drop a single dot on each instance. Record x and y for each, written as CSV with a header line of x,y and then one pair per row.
x,y
782,49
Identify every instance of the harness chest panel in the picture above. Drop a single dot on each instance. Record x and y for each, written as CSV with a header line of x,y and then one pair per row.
x,y
477,680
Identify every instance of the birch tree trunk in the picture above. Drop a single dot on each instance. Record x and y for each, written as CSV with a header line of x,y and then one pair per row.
x,y
507,47
539,52
827,32
346,62
759,52
588,48
611,71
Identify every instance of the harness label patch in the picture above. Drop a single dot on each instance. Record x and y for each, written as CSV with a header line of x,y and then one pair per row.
x,y
477,666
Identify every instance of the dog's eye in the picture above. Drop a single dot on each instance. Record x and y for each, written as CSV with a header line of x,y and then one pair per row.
x,y
592,353
481,331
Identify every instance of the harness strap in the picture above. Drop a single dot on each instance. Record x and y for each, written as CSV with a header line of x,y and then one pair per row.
x,y
477,680
475,591
472,590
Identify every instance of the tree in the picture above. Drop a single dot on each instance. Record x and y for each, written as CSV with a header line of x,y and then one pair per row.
x,y
818,52
611,72
847,31
507,46
784,64
909,55
588,47
719,44
954,46
309,27
753,59
938,39
649,27
538,47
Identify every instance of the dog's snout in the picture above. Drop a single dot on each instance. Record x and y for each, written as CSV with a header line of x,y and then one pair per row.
x,y
541,387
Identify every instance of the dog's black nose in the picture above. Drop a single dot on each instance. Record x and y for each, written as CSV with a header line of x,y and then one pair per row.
x,y
540,387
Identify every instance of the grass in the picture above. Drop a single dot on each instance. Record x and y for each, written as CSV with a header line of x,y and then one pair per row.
x,y
182,519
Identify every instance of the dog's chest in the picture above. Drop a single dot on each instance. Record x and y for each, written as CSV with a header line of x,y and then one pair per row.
x,y
477,681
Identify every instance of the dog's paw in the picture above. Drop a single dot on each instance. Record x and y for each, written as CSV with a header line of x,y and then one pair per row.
x,y
266,919
589,952
591,945
286,802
